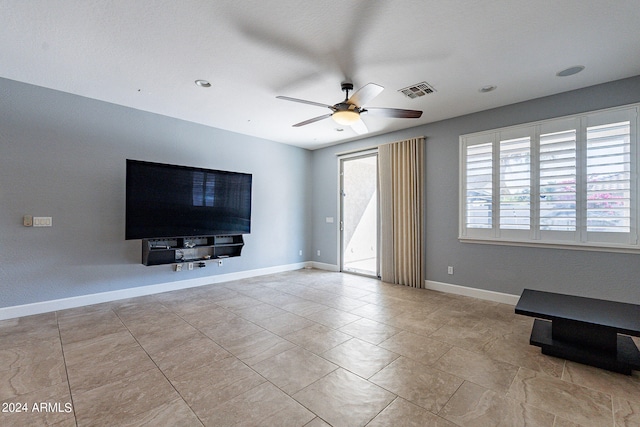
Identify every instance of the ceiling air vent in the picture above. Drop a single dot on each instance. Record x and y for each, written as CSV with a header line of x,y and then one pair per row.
x,y
417,90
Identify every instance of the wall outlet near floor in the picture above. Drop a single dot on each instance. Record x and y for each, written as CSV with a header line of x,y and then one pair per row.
x,y
177,267
450,270
300,252
318,252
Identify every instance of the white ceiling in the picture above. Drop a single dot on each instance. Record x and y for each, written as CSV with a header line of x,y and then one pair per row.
x,y
146,54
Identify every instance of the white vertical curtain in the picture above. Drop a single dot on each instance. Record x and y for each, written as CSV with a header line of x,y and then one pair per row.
x,y
401,183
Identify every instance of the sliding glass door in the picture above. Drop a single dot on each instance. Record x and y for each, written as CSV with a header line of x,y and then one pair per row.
x,y
359,214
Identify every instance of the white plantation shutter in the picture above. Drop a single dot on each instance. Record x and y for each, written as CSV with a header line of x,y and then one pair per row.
x,y
558,194
571,181
609,178
515,184
479,191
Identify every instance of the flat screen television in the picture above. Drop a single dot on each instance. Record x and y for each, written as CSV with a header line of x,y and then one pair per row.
x,y
165,201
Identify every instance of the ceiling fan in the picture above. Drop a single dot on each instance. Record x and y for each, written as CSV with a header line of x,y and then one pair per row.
x,y
348,112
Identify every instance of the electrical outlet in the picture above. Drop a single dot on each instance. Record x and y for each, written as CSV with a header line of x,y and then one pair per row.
x,y
190,266
318,252
27,221
177,267
450,270
300,252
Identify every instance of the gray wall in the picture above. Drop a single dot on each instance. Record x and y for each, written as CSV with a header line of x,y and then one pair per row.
x,y
505,269
64,156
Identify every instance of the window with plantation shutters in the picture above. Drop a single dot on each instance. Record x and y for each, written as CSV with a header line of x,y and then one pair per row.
x,y
570,181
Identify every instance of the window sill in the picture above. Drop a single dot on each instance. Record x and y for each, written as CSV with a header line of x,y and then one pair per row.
x,y
576,247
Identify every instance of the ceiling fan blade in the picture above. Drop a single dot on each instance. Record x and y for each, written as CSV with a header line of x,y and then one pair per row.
x,y
315,119
365,94
393,112
286,98
359,127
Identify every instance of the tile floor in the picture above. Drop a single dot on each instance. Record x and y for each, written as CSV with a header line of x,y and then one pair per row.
x,y
302,348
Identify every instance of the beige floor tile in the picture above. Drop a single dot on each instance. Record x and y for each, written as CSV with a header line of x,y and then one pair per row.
x,y
257,347
98,361
209,317
232,328
238,302
186,306
154,322
476,406
214,384
33,352
294,369
417,322
27,378
82,327
119,402
285,331
333,318
417,383
570,401
285,323
474,336
515,349
344,399
302,307
402,413
343,303
264,405
259,312
478,369
317,422
378,313
317,338
612,383
360,357
192,354
59,409
369,330
626,412
417,347
26,330
562,422
165,340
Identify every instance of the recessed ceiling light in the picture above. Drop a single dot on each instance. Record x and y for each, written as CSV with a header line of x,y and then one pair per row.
x,y
203,83
488,88
570,71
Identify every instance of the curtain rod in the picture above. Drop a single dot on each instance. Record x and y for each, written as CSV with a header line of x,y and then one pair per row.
x,y
373,147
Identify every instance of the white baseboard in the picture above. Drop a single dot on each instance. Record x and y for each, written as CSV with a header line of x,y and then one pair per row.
x,y
472,292
82,300
324,266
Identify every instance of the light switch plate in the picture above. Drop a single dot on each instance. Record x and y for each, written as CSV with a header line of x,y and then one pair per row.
x,y
42,221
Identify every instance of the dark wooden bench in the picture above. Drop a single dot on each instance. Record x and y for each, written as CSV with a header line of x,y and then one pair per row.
x,y
584,330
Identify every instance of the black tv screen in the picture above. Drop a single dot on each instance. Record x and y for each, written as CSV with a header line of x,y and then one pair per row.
x,y
164,201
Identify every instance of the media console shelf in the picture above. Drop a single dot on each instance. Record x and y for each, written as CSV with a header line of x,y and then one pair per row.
x,y
584,330
190,249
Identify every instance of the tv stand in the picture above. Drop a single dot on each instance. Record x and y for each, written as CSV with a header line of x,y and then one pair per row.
x,y
190,249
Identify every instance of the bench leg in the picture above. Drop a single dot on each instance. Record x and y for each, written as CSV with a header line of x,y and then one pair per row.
x,y
561,342
599,338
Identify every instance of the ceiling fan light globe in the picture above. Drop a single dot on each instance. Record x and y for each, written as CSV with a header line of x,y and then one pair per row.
x,y
346,117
